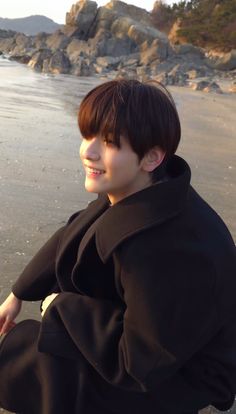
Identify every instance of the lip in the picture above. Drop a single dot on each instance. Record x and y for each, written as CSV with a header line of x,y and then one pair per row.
x,y
93,170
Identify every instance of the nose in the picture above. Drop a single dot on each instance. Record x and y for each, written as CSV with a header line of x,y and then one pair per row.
x,y
89,149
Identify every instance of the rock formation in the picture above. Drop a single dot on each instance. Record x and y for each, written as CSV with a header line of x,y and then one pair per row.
x,y
115,40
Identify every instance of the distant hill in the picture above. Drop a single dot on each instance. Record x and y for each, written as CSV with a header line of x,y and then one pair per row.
x,y
30,25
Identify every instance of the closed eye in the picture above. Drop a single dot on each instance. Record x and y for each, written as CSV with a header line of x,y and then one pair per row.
x,y
109,142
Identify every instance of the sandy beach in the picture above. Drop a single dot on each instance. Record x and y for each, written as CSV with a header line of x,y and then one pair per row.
x,y
41,177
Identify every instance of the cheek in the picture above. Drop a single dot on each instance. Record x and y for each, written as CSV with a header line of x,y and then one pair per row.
x,y
123,167
114,164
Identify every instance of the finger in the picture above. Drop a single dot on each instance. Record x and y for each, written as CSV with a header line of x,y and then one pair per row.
x,y
43,312
43,307
8,329
2,325
7,326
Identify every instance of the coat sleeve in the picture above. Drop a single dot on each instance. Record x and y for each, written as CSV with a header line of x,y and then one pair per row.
x,y
38,278
169,315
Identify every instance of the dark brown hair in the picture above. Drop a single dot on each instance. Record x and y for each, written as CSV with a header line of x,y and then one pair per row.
x,y
144,113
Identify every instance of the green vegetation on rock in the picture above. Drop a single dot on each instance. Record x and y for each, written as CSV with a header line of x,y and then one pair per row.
x,y
205,23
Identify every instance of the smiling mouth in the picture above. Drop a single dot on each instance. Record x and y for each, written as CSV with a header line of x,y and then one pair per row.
x,y
94,171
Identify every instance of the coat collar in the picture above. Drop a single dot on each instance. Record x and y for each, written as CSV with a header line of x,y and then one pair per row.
x,y
143,209
131,215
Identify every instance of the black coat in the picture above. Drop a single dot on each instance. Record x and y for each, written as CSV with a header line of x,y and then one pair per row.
x,y
146,317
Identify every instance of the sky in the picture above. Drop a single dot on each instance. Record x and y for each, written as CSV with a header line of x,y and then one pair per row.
x,y
54,9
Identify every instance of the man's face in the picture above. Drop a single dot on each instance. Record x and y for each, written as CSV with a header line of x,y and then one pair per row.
x,y
112,170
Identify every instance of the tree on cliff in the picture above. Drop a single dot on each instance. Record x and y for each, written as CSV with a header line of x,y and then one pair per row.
x,y
206,23
163,16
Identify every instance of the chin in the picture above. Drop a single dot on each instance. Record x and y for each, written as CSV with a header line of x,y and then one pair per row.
x,y
91,188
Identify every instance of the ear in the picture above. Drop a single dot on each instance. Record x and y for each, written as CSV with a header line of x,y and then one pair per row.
x,y
152,159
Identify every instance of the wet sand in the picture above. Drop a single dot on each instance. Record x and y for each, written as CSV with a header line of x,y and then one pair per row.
x,y
41,178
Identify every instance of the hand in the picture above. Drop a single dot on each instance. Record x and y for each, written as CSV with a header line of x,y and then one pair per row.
x,y
8,312
47,302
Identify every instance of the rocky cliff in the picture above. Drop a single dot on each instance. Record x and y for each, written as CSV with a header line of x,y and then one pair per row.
x,y
116,40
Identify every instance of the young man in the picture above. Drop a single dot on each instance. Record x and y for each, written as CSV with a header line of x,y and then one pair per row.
x,y
138,289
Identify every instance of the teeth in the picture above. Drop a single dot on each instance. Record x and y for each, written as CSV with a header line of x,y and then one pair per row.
x,y
94,170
